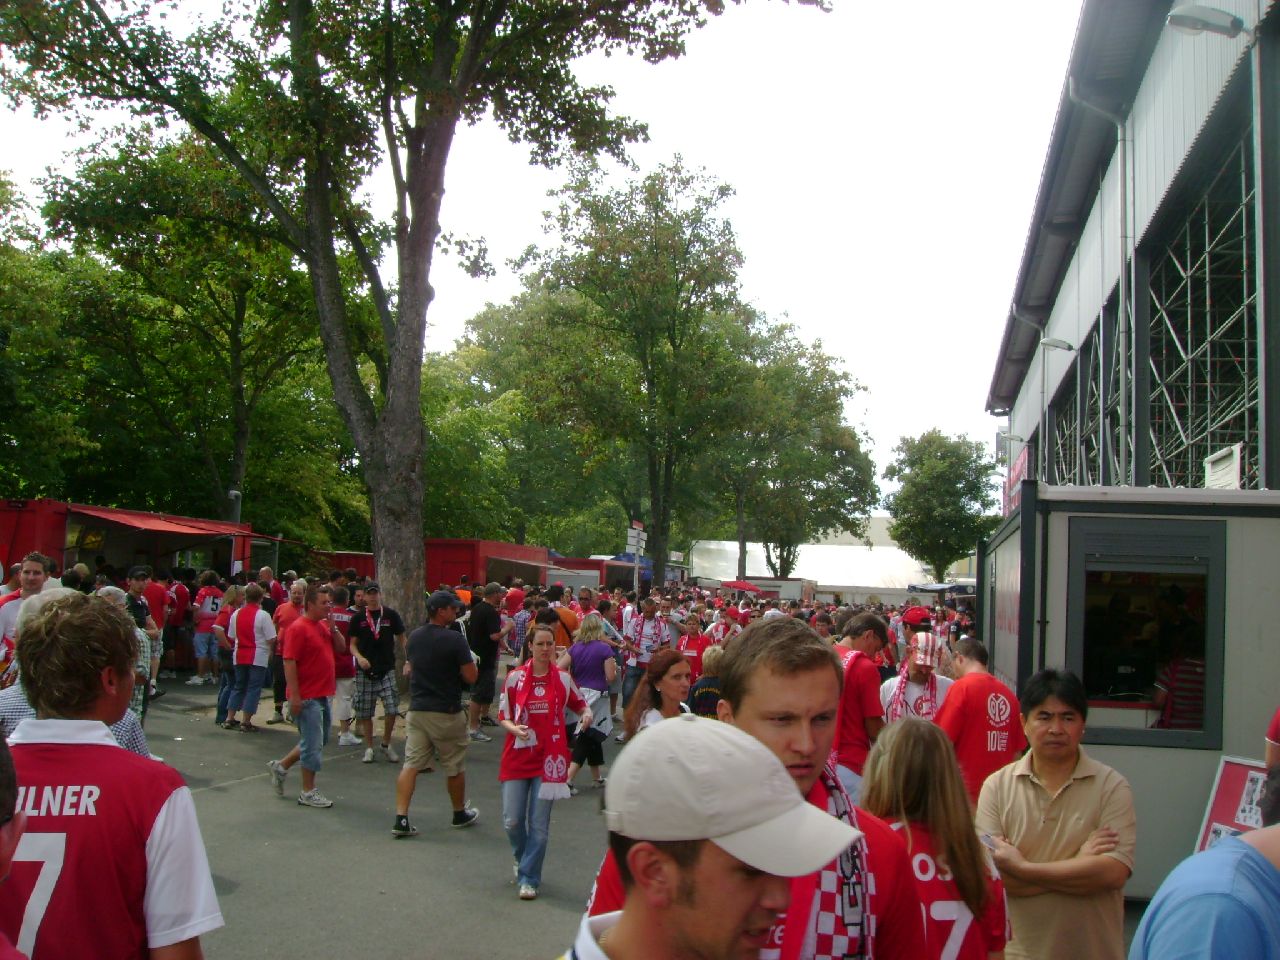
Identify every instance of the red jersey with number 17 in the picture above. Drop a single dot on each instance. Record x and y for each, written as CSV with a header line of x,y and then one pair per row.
x,y
111,863
951,929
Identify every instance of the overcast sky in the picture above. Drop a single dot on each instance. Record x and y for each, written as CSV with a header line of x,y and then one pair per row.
x,y
885,172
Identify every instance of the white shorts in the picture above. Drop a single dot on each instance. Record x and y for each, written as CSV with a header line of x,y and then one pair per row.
x,y
342,710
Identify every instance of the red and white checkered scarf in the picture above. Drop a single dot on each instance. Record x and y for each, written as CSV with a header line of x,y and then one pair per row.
x,y
835,896
922,645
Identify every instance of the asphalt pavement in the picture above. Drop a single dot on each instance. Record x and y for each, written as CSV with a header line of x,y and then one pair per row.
x,y
302,882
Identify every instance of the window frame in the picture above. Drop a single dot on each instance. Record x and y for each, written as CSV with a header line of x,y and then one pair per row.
x,y
1149,545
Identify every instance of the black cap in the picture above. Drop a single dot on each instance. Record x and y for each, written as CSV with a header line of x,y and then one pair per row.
x,y
139,573
441,599
372,587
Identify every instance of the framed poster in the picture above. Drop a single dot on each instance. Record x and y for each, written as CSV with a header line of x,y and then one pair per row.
x,y
1233,802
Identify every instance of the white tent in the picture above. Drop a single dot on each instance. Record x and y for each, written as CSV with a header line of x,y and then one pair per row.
x,y
852,568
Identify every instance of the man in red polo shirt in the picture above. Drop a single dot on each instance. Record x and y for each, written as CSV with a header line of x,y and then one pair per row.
x,y
980,717
309,650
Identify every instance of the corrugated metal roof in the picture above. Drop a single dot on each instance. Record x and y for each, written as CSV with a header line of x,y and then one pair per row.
x,y
1113,45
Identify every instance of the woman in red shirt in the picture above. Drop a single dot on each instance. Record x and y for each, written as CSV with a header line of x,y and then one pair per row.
x,y
912,781
535,757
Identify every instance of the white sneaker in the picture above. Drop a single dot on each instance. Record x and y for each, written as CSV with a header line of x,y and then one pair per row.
x,y
314,798
479,737
349,739
278,773
368,755
527,890
166,675
389,752
196,681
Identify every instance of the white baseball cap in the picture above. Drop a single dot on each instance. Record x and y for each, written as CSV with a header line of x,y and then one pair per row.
x,y
691,778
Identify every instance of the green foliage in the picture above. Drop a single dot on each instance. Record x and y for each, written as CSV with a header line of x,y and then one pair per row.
x,y
792,471
96,418
204,313
940,511
303,479
305,101
645,308
467,471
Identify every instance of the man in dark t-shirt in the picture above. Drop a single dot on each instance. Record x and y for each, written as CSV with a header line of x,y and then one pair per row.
x,y
439,663
485,632
373,637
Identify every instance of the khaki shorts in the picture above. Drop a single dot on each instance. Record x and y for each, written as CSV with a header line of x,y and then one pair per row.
x,y
443,733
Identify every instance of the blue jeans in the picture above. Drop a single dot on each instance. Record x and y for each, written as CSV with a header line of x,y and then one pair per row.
x,y
527,820
226,684
313,722
247,689
631,681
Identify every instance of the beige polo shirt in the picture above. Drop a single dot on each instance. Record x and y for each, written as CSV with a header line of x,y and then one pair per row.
x,y
1014,804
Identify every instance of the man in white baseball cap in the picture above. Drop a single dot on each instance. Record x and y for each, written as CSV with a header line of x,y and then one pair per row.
x,y
706,825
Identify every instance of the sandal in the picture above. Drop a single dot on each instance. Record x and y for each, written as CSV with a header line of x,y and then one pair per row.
x,y
229,725
249,728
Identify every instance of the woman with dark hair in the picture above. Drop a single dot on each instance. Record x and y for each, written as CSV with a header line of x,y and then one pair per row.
x,y
660,694
913,782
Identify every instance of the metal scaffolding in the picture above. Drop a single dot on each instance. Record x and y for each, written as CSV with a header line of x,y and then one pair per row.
x,y
1203,333
1065,461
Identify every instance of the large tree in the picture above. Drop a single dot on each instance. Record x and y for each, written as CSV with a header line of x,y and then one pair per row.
x,y
306,100
40,379
652,269
940,510
202,315
790,468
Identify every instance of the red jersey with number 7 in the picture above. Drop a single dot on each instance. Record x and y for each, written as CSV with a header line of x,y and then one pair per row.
x,y
951,929
112,863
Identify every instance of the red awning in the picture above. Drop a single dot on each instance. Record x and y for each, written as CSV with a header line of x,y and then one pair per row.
x,y
155,523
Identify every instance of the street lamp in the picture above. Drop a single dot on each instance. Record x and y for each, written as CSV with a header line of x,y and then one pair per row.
x,y
1194,18
1048,343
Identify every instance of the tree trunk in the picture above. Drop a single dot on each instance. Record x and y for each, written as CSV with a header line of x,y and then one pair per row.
x,y
741,504
240,410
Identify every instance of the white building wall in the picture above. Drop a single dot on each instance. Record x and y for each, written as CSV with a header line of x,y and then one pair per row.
x,y
1183,83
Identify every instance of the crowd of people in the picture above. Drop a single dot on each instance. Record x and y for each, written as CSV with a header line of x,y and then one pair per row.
x,y
791,780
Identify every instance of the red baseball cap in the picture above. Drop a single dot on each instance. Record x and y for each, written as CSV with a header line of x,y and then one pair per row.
x,y
917,617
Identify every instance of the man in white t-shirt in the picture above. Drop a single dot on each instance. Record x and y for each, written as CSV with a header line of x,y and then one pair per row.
x,y
918,690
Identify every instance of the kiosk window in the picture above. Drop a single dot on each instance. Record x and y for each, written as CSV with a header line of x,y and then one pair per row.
x,y
1145,628
1144,643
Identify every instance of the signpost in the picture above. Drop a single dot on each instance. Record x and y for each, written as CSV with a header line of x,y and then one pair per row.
x,y
636,539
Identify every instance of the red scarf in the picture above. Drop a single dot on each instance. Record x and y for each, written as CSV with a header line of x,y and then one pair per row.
x,y
555,745
927,645
838,891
